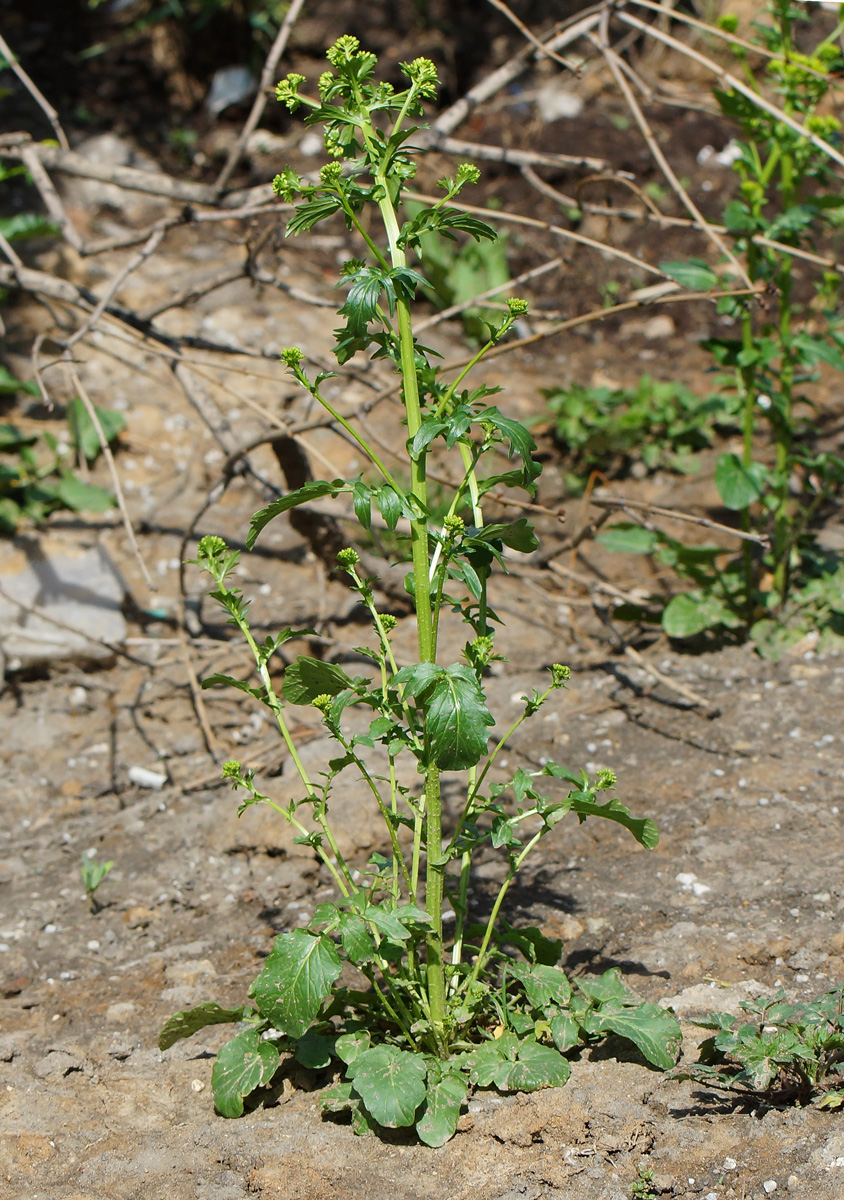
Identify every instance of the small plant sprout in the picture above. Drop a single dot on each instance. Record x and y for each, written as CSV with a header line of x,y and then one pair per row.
x,y
93,874
642,1187
414,991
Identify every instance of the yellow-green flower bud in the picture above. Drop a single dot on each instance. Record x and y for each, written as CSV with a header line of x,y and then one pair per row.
x,y
291,357
560,675
231,769
348,556
517,307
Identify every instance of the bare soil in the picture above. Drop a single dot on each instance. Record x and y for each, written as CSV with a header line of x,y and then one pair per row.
x,y
742,895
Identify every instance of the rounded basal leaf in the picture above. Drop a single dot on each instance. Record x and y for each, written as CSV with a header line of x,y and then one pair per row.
x,y
536,1067
441,1111
242,1065
297,977
738,485
628,539
391,1083
653,1030
314,1051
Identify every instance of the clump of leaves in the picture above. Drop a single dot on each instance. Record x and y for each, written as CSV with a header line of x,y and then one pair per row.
x,y
36,474
93,874
660,423
642,1187
412,1008
780,1052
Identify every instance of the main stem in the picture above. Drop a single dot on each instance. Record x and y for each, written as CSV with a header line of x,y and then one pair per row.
x,y
435,974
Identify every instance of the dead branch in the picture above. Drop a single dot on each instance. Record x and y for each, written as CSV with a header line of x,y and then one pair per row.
x,y
612,503
36,93
518,158
544,51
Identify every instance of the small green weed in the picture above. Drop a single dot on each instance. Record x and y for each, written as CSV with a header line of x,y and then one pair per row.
x,y
642,1187
658,423
36,476
780,1052
93,874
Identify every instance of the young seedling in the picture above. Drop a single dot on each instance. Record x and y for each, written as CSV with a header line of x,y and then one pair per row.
x,y
779,1052
93,874
426,1009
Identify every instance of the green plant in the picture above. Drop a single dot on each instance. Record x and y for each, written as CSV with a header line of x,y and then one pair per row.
x,y
642,1187
659,423
788,195
93,874
36,477
782,1053
419,1017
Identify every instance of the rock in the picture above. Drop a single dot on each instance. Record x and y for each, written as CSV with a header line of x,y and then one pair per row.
x,y
190,972
79,588
145,778
830,1157
556,102
704,998
9,1048
57,1064
230,85
125,1010
658,327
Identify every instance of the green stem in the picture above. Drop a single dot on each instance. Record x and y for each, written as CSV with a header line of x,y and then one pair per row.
x,y
350,429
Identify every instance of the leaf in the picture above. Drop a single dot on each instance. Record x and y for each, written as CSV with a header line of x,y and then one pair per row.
x,y
308,677
26,225
10,386
80,496
543,985
391,1083
626,538
297,977
357,944
457,720
518,438
444,1098
486,1060
185,1024
427,432
242,1065
314,1051
694,274
83,434
533,944
229,681
643,829
350,1046
653,1030
310,214
303,495
684,617
738,485
518,535
416,679
536,1067
565,1031
815,349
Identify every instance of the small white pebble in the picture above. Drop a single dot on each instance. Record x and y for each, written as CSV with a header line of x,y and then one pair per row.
x,y
718,771
794,733
93,944
770,1185
801,978
729,1164
50,928
196,1085
763,800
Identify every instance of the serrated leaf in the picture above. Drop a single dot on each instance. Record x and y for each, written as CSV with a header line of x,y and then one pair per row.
x,y
644,829
391,1083
416,679
694,274
444,1098
738,485
303,495
518,535
518,438
242,1065
230,681
297,977
188,1022
315,210
457,720
308,677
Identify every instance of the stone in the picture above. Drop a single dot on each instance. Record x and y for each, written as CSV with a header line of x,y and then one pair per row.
x,y
189,973
44,582
92,195
56,1064
704,998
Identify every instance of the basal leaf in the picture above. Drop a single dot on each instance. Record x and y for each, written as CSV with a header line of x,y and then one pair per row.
x,y
457,720
303,495
185,1024
445,1096
391,1083
80,496
296,978
654,1030
543,985
314,1051
684,617
565,1031
350,1046
242,1065
536,1067
486,1060
308,677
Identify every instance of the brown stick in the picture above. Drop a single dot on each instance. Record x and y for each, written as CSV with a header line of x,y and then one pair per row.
x,y
36,93
610,503
278,48
504,154
544,50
